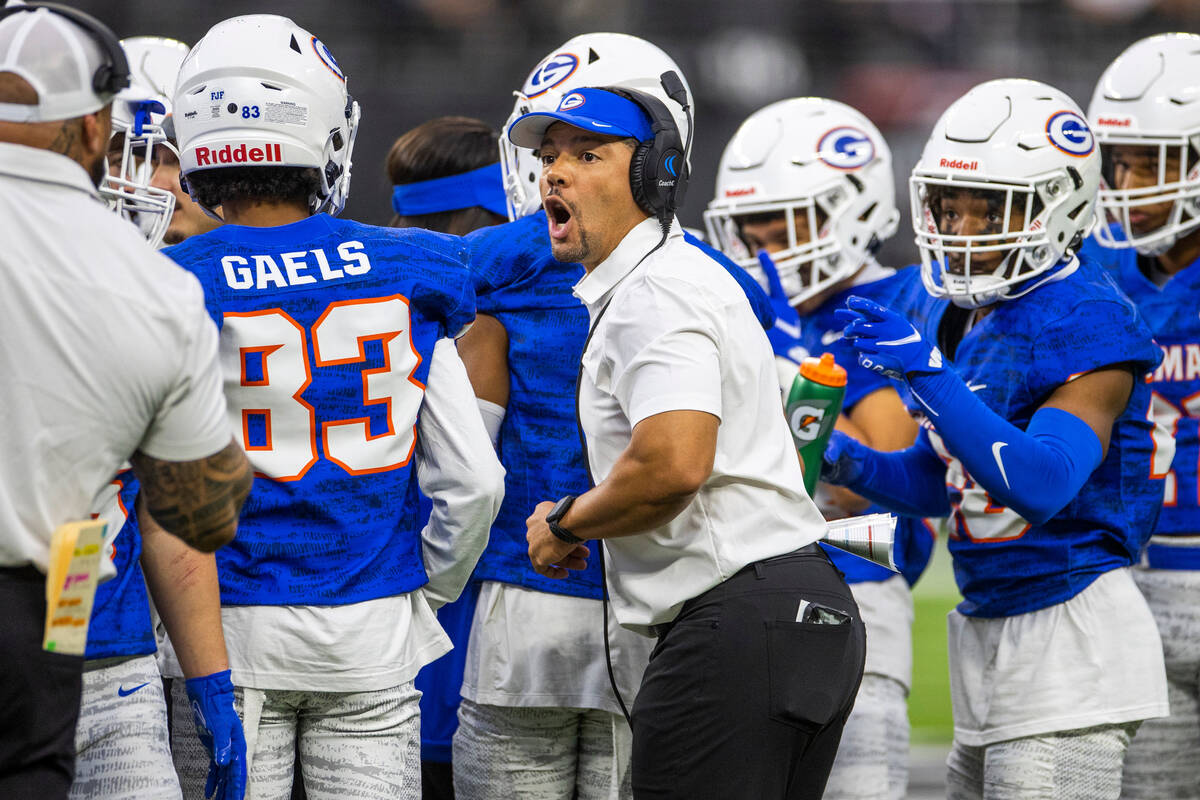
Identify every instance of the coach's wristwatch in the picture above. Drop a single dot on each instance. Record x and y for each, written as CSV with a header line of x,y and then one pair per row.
x,y
558,512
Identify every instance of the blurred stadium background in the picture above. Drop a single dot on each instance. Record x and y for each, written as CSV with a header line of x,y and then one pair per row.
x,y
901,62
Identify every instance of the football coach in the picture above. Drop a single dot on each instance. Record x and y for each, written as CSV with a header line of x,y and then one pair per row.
x,y
711,538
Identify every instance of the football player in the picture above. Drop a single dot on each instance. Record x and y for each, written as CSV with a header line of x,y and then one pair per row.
x,y
446,177
1149,134
804,198
139,114
187,217
1036,440
123,714
537,689
143,181
343,380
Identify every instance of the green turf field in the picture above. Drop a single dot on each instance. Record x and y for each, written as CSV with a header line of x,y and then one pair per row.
x,y
929,703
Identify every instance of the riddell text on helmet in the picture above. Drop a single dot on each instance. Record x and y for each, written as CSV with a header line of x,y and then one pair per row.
x,y
958,163
242,154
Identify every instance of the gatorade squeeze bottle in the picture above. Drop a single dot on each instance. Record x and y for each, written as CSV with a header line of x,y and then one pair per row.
x,y
812,407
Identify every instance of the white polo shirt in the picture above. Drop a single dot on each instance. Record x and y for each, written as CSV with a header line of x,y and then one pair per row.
x,y
105,349
674,333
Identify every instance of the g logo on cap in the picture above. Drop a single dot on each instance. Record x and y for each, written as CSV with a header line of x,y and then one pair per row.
x,y
846,148
574,100
1068,132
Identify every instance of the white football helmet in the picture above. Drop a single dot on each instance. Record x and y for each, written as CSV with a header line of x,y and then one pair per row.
x,y
138,116
592,59
1026,148
259,90
815,157
1150,96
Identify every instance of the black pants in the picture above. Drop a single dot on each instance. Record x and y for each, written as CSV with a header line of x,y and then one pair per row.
x,y
39,695
742,701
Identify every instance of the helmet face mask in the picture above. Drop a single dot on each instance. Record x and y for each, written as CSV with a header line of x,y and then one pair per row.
x,y
588,60
139,116
1166,189
820,167
1148,125
259,90
127,187
1004,192
980,240
807,265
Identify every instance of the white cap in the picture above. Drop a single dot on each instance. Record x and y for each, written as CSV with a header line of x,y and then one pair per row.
x,y
58,58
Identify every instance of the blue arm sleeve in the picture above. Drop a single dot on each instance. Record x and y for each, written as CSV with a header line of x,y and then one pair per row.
x,y
911,481
1035,472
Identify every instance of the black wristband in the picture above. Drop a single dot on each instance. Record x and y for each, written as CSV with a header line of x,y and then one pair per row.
x,y
558,512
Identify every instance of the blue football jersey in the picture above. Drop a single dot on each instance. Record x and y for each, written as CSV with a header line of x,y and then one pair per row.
x,y
1013,359
820,332
327,329
121,624
1172,314
1106,257
520,283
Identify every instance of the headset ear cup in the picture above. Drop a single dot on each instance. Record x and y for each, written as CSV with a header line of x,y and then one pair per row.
x,y
102,81
641,175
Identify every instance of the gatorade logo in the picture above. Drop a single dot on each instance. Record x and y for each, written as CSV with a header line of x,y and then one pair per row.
x,y
805,422
241,154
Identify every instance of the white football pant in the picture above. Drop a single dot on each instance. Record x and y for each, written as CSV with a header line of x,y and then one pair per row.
x,y
502,752
121,747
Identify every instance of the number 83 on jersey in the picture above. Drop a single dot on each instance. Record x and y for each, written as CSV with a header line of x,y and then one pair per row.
x,y
267,367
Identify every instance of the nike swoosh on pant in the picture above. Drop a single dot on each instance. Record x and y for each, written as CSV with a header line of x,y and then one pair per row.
x,y
996,448
123,692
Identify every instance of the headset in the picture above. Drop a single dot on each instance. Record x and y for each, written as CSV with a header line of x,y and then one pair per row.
x,y
110,77
658,171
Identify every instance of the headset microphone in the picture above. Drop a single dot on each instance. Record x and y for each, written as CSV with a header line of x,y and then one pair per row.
x,y
673,86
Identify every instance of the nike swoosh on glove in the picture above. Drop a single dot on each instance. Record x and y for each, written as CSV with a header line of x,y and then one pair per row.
x,y
785,335
220,731
886,342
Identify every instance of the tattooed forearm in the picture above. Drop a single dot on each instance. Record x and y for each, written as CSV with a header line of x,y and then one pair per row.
x,y
198,501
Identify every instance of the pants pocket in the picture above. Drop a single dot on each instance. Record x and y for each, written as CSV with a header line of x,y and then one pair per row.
x,y
813,670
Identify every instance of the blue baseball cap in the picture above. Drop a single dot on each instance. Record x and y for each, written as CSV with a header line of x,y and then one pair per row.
x,y
595,110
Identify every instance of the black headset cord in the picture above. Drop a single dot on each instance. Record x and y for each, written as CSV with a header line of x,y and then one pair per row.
x,y
587,465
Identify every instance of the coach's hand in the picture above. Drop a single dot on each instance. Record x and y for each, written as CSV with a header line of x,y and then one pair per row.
x,y
220,731
550,555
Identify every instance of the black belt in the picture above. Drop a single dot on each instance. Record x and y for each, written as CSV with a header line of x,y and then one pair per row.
x,y
661,629
25,572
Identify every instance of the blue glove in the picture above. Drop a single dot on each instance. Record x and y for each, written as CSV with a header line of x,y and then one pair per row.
x,y
911,481
842,461
785,335
886,342
220,731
